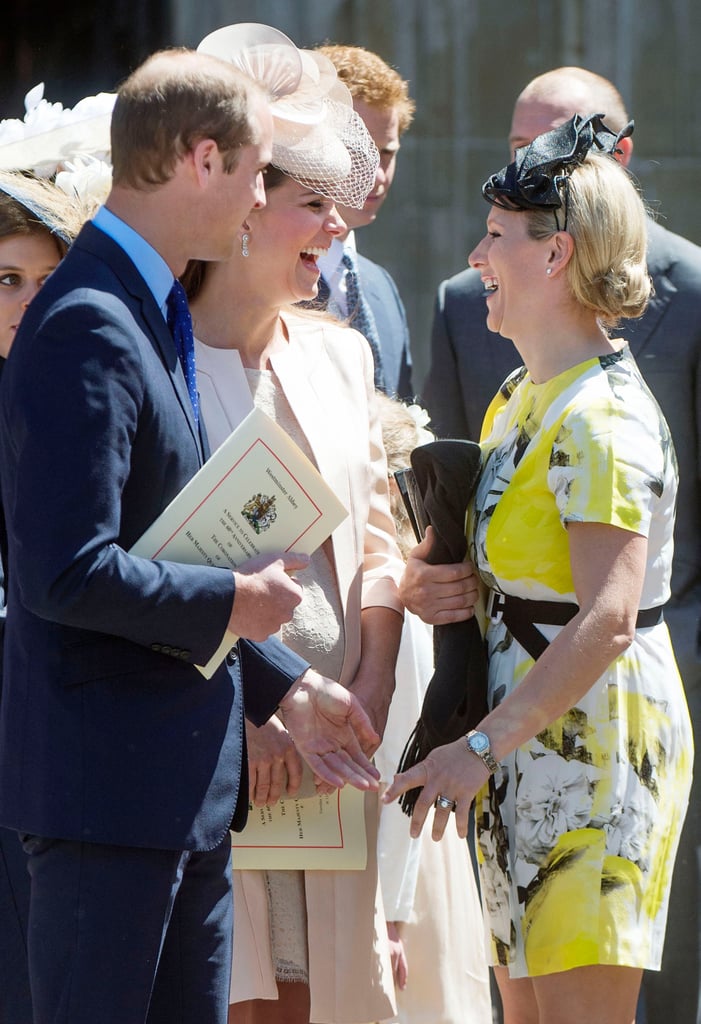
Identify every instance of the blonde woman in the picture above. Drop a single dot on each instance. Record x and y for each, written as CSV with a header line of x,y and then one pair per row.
x,y
581,769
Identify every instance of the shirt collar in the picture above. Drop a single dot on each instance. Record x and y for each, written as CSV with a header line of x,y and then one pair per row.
x,y
150,264
330,263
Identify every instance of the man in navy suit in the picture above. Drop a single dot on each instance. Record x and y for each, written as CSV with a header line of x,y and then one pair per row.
x,y
381,98
468,365
122,767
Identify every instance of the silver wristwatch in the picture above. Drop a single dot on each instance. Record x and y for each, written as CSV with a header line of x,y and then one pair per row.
x,y
478,743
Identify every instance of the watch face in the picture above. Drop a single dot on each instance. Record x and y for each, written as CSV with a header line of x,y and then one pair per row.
x,y
479,742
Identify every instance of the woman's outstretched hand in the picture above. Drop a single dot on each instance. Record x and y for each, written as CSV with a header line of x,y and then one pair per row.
x,y
450,771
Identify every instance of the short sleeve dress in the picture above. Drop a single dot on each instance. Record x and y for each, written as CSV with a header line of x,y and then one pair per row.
x,y
578,832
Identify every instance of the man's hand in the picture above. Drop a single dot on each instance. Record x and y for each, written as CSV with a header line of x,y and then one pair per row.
x,y
438,594
266,594
274,766
331,731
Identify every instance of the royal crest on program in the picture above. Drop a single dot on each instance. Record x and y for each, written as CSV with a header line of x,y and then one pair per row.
x,y
260,512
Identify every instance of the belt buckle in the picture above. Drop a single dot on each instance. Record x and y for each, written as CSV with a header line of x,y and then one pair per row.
x,y
495,606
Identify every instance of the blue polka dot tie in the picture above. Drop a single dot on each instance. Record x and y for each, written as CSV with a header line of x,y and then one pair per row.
x,y
180,323
361,316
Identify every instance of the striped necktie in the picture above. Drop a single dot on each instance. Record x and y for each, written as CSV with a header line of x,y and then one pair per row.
x,y
361,316
180,323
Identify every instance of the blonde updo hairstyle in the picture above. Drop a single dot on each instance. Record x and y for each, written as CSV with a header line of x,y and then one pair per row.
x,y
607,219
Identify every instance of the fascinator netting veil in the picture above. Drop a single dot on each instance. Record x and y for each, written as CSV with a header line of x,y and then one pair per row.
x,y
318,139
538,176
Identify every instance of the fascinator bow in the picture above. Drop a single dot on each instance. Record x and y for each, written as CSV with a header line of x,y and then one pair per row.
x,y
318,138
535,178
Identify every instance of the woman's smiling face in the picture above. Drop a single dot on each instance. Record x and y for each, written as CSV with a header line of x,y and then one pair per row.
x,y
513,267
25,263
286,237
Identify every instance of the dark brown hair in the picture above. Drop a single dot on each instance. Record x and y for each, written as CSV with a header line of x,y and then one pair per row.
x,y
48,211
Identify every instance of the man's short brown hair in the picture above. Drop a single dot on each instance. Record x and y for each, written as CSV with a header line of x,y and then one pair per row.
x,y
172,101
371,80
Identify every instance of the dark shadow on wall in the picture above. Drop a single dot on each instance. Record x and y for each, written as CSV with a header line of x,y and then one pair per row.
x,y
76,49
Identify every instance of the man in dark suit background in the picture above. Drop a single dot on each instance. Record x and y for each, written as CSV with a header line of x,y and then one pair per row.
x,y
468,365
381,98
122,767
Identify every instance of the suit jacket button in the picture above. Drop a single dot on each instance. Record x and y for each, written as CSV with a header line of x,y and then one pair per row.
x,y
157,648
184,654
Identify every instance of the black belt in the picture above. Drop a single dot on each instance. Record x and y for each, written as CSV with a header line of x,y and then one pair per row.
x,y
520,616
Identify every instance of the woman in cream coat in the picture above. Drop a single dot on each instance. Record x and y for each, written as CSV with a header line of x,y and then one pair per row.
x,y
309,946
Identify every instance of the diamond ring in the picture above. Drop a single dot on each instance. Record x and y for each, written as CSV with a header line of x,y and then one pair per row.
x,y
445,803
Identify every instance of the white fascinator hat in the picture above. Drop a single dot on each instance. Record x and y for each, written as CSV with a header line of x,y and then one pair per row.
x,y
318,139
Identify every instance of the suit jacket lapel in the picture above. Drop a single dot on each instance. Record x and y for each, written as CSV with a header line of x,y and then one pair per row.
x,y
163,341
307,393
106,249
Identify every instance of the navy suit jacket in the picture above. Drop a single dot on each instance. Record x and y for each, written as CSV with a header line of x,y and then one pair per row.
x,y
469,364
103,736
382,296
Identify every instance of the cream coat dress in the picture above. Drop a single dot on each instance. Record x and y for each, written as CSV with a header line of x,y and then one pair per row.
x,y
326,375
429,887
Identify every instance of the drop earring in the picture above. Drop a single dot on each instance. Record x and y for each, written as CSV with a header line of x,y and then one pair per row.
x,y
244,243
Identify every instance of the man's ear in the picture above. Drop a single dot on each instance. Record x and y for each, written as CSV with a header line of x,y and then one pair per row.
x,y
205,157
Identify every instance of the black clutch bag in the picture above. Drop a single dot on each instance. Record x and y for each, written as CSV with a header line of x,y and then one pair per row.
x,y
436,491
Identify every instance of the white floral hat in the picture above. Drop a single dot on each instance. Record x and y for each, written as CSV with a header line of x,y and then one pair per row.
x,y
318,139
51,135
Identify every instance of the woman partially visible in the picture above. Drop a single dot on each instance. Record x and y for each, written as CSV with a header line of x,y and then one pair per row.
x,y
434,918
587,747
37,223
309,945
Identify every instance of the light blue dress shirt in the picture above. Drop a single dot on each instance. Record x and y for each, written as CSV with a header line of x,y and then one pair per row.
x,y
150,264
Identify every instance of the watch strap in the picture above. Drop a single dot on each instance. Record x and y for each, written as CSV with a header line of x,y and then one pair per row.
x,y
485,756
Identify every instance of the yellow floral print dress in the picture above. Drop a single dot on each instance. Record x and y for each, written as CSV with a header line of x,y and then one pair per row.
x,y
578,832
